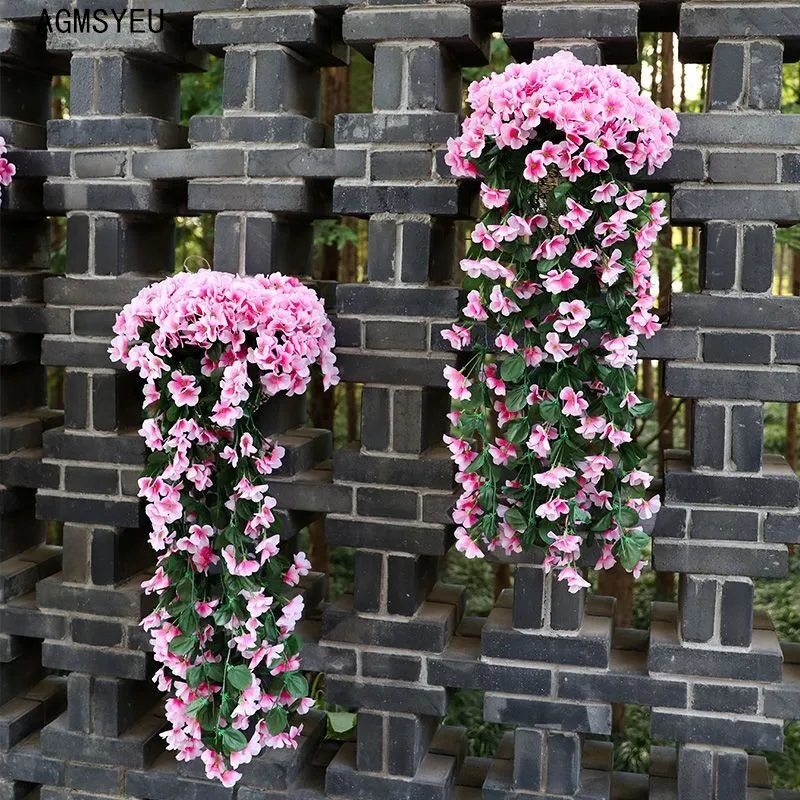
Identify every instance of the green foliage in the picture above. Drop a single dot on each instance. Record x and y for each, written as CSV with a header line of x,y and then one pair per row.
x,y
632,744
499,58
201,92
476,575
333,232
789,237
466,710
785,767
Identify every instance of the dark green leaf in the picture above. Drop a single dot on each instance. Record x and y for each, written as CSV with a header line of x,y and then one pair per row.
x,y
276,720
512,368
233,739
476,462
296,684
516,519
239,676
194,676
630,548
550,410
628,517
182,645
341,721
194,707
516,399
517,430
562,190
643,408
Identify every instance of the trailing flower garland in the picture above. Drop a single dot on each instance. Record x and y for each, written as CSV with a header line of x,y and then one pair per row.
x,y
7,169
559,289
211,348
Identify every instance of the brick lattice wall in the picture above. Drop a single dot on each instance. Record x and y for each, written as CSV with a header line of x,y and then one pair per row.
x,y
78,716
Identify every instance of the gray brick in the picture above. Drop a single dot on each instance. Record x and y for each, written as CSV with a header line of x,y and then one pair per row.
x,y
714,558
758,256
787,348
368,572
528,711
732,769
375,426
400,164
737,348
369,752
708,435
529,758
743,167
725,698
710,311
697,598
777,385
695,773
727,77
736,613
529,589
747,437
739,526
563,762
782,528
414,537
387,90
372,502
382,236
720,730
779,204
395,336
391,666
766,75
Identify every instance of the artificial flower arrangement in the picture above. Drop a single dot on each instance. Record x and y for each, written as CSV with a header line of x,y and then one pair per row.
x,y
211,348
7,169
559,290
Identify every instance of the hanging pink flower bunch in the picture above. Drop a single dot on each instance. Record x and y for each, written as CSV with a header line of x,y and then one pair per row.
x,y
558,292
211,347
7,169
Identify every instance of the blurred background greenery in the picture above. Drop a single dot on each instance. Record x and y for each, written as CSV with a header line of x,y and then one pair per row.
x,y
340,253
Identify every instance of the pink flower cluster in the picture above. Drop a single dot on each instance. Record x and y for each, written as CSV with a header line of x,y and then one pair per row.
x,y
7,169
211,347
543,425
599,110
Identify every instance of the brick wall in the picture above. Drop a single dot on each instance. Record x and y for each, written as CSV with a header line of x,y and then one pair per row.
x,y
78,716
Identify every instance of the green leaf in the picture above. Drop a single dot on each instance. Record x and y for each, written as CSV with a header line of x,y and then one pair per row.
x,y
517,430
580,516
476,463
182,645
550,410
239,677
296,684
631,454
603,524
214,672
643,408
341,721
512,368
233,739
631,547
628,517
196,705
276,720
562,190
615,298
194,676
516,399
172,413
516,519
